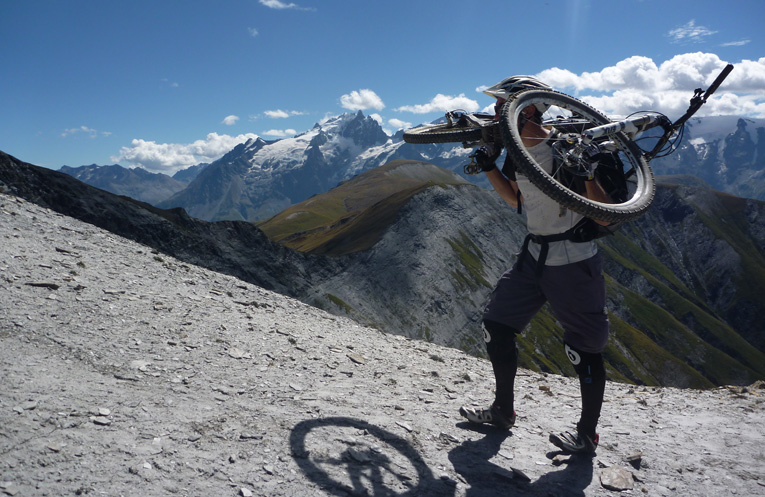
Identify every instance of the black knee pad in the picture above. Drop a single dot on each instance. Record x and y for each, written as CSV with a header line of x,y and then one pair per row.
x,y
500,340
588,366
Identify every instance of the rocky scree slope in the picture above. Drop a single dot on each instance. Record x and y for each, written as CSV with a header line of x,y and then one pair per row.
x,y
130,372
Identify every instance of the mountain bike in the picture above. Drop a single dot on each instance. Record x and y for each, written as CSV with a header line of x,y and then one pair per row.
x,y
585,144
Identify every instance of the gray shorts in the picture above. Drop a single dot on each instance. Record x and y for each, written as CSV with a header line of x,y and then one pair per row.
x,y
577,296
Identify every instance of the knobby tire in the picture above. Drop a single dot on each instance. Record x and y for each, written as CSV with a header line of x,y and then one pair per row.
x,y
636,169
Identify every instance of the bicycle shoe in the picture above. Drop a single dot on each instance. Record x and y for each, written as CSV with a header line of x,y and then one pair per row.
x,y
493,416
575,443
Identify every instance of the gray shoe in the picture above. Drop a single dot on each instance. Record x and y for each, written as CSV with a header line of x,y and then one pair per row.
x,y
492,416
575,442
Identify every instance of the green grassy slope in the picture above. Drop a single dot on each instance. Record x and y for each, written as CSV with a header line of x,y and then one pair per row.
x,y
354,215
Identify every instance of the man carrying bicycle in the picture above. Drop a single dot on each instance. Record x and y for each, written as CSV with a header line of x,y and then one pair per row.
x,y
550,268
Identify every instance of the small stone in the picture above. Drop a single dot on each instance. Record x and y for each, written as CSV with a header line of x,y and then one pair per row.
x,y
359,456
506,454
635,459
268,469
101,421
520,474
139,364
245,492
404,426
616,478
104,412
236,353
29,405
357,358
559,459
9,488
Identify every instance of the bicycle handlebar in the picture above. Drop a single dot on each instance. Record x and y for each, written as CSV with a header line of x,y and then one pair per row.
x,y
718,81
696,102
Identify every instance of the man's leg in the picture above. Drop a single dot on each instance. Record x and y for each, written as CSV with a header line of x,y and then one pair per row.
x,y
592,384
503,354
577,296
514,301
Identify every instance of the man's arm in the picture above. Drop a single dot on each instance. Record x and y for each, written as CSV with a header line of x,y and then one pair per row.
x,y
596,192
506,188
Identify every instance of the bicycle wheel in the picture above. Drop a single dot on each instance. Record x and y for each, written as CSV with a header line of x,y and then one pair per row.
x,y
446,133
623,171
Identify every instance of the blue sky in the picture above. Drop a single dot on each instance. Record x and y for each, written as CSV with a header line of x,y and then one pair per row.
x,y
170,83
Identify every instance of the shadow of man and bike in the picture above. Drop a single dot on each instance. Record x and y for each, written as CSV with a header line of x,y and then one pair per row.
x,y
350,456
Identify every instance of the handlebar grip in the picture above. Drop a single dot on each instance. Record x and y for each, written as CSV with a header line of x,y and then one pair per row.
x,y
718,81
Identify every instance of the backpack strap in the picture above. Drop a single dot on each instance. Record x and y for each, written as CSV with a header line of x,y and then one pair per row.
x,y
583,231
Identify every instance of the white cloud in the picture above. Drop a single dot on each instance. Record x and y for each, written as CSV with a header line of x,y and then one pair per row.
x,y
277,114
362,100
689,32
279,5
638,83
377,117
280,133
442,103
169,158
230,120
739,43
92,133
399,124
282,114
253,32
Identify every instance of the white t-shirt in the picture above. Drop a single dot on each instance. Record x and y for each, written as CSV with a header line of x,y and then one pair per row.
x,y
544,216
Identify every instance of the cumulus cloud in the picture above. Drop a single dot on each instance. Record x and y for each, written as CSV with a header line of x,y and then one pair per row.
x,y
361,100
442,103
169,158
689,32
399,124
230,120
280,133
638,83
253,32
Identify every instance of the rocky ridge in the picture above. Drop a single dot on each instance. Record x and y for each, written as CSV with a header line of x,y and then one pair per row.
x,y
126,371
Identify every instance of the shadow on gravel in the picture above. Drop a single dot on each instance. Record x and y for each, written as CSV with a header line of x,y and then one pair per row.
x,y
472,460
350,456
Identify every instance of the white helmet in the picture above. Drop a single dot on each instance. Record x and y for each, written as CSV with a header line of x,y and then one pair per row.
x,y
507,87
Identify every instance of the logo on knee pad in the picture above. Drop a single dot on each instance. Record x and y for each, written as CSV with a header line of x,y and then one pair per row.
x,y
486,334
573,355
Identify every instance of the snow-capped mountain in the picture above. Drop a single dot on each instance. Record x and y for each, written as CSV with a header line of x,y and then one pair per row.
x,y
727,152
260,178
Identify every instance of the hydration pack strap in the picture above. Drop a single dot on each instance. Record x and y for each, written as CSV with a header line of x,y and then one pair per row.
x,y
545,240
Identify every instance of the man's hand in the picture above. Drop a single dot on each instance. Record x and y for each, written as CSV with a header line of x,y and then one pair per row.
x,y
486,156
